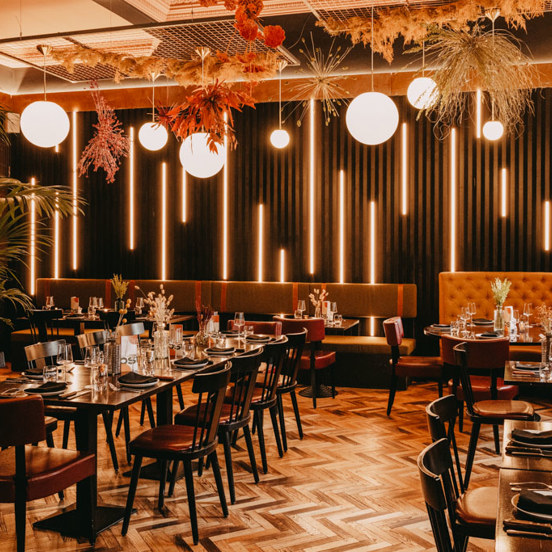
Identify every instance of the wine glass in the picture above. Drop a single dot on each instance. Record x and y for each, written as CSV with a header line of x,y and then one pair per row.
x,y
528,311
301,307
239,322
64,358
471,311
49,302
100,302
139,305
189,348
92,305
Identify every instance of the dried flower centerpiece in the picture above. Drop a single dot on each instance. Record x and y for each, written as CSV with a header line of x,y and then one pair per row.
x,y
500,289
317,298
544,317
204,314
120,288
159,306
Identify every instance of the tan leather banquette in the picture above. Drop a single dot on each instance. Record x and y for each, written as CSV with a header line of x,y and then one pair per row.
x,y
361,301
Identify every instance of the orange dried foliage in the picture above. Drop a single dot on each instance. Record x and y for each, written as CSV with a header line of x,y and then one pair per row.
x,y
274,36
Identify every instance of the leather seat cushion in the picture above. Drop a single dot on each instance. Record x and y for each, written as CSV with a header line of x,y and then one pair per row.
x,y
322,359
513,410
164,438
49,470
365,344
481,387
526,353
478,506
419,367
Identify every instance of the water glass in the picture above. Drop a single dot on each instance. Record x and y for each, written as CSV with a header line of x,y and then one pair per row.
x,y
528,311
50,373
100,302
301,307
188,347
454,328
65,358
247,331
338,319
93,356
146,361
49,301
220,340
98,377
239,322
298,314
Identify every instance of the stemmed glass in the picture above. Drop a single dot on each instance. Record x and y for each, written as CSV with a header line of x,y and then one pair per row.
x,y
50,302
139,305
239,323
100,302
471,311
65,357
92,306
175,339
301,307
528,311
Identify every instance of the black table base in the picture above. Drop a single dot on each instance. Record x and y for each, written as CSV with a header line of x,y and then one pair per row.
x,y
322,392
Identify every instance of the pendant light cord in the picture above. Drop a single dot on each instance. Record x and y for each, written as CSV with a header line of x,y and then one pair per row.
x,y
423,58
280,100
44,72
153,76
372,47
493,31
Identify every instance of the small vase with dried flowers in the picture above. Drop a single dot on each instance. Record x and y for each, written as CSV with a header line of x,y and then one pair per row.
x,y
120,288
317,298
500,289
204,314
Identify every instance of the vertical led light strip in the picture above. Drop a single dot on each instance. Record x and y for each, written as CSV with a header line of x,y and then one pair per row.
x,y
453,200
184,195
478,106
282,266
32,245
372,242
260,238
131,192
311,189
341,226
75,189
163,221
56,239
503,193
547,225
225,211
404,169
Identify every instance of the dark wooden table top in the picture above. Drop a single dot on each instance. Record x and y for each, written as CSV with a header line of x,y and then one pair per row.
x,y
532,338
513,376
347,325
503,541
532,463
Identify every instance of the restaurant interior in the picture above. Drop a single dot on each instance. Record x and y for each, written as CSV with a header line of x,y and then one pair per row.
x,y
338,212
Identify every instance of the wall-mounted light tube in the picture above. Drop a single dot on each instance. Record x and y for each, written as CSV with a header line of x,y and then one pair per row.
x,y
478,115
163,221
311,188
372,242
547,225
32,244
341,226
57,238
453,200
225,210
282,266
260,244
74,168
503,193
404,169
131,191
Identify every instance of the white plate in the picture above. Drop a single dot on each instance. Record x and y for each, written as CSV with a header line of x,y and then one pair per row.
x,y
139,385
534,515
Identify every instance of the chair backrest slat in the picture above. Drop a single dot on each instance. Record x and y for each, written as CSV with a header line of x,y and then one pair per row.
x,y
272,358
292,358
41,354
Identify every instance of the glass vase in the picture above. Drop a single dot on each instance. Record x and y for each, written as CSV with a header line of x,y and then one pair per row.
x,y
499,320
161,342
119,305
202,336
318,312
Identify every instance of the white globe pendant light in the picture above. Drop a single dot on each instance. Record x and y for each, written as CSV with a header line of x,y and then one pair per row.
x,y
493,130
279,138
198,160
372,118
153,136
45,124
422,92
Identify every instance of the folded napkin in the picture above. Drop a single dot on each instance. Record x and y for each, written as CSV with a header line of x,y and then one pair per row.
x,y
543,437
230,332
482,321
34,371
220,349
527,366
258,337
441,325
134,378
539,502
489,334
48,387
189,362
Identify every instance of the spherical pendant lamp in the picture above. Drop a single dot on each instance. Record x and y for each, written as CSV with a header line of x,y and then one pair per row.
x,y
372,118
493,130
279,138
198,160
44,124
422,92
153,136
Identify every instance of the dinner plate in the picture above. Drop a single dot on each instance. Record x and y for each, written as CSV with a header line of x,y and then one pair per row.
x,y
226,352
191,366
32,376
139,385
443,326
258,338
534,515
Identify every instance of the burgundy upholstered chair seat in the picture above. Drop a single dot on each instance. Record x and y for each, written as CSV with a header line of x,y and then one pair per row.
x,y
322,359
419,367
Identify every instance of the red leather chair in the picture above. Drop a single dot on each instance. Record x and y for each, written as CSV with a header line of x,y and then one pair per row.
x,y
313,358
414,367
261,327
29,473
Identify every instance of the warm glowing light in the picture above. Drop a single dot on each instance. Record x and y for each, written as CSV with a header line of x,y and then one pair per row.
x,y
44,124
493,130
131,191
56,239
225,210
404,169
153,136
372,326
503,193
282,266
311,188
372,118
279,138
184,196
260,238
341,226
453,200
198,159
163,221
32,245
74,168
547,225
372,242
478,117
56,149
422,92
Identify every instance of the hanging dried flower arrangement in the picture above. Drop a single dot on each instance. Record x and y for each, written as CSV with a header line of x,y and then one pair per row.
x,y
108,145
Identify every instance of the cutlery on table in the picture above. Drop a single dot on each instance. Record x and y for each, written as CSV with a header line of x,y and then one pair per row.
x,y
528,451
529,486
74,394
530,526
527,534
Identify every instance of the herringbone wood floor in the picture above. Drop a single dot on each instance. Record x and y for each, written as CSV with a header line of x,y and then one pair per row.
x,y
351,484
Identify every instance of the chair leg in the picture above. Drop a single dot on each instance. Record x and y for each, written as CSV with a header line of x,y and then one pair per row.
x,y
120,424
280,407
218,481
274,419
142,413
332,380
162,484
229,469
313,386
51,444
461,416
126,422
296,412
250,450
20,518
496,439
471,452
66,427
392,391
191,499
108,425
259,415
149,409
173,477
180,397
131,492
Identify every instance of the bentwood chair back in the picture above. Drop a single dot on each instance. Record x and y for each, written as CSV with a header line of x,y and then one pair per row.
x,y
29,473
92,339
135,328
40,354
